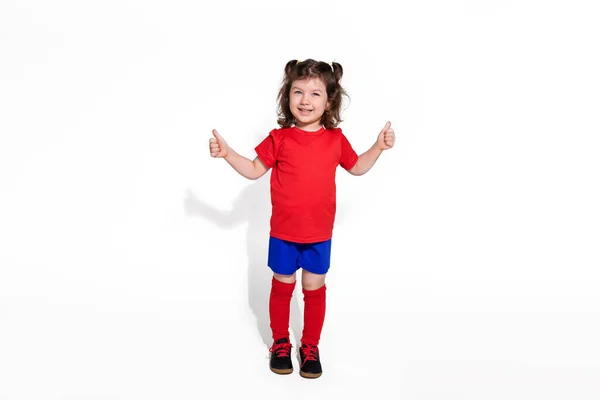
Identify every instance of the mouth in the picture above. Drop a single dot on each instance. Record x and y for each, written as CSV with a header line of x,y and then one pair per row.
x,y
304,111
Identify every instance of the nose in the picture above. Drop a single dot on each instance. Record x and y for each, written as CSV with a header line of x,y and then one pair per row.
x,y
304,99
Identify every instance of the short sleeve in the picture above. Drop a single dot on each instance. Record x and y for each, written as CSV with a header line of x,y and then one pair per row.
x,y
349,157
266,151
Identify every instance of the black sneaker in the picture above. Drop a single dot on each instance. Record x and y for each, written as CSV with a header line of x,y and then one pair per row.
x,y
281,360
310,366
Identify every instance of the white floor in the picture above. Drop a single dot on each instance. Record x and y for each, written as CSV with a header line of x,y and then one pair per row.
x,y
193,329
110,344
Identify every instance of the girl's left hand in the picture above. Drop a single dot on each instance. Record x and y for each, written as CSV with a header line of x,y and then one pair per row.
x,y
386,137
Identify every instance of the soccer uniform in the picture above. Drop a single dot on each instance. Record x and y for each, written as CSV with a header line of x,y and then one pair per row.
x,y
303,194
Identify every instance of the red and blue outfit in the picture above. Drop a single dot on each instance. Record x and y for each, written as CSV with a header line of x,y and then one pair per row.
x,y
303,196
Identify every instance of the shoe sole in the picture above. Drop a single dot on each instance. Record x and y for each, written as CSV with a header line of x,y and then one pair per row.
x,y
310,376
282,371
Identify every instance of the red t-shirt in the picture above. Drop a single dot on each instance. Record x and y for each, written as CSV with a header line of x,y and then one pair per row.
x,y
303,180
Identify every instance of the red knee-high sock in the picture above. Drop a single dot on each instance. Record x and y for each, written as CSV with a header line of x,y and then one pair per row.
x,y
279,308
314,315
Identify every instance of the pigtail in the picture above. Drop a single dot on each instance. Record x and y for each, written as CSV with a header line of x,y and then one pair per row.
x,y
289,67
338,71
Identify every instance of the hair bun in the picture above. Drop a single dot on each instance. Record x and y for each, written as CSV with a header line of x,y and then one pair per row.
x,y
290,65
338,71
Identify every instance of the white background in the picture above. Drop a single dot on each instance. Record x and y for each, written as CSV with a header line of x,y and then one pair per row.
x,y
465,264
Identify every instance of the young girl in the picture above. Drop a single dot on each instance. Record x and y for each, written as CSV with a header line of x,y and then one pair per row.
x,y
304,154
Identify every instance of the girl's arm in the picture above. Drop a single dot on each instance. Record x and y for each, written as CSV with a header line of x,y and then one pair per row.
x,y
366,160
248,169
245,167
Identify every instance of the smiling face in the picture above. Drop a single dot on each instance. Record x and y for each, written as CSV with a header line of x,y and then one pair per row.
x,y
308,102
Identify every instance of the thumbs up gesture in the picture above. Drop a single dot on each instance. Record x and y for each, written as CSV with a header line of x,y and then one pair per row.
x,y
386,137
218,146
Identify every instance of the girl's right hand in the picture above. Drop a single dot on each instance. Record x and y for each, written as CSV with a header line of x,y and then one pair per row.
x,y
218,146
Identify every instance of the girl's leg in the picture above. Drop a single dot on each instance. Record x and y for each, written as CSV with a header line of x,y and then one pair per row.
x,y
313,288
285,278
282,288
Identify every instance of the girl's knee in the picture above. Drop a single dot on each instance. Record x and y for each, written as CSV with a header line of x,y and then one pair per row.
x,y
285,278
312,281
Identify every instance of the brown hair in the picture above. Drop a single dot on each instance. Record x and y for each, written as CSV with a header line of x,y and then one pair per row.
x,y
307,69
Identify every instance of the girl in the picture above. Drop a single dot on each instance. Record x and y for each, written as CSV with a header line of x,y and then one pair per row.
x,y
304,154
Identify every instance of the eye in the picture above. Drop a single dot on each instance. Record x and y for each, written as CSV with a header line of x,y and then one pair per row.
x,y
316,94
297,92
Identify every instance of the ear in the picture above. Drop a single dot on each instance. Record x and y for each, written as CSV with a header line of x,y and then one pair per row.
x,y
327,105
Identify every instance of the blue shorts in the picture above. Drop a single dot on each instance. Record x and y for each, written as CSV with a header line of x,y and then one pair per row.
x,y
286,257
